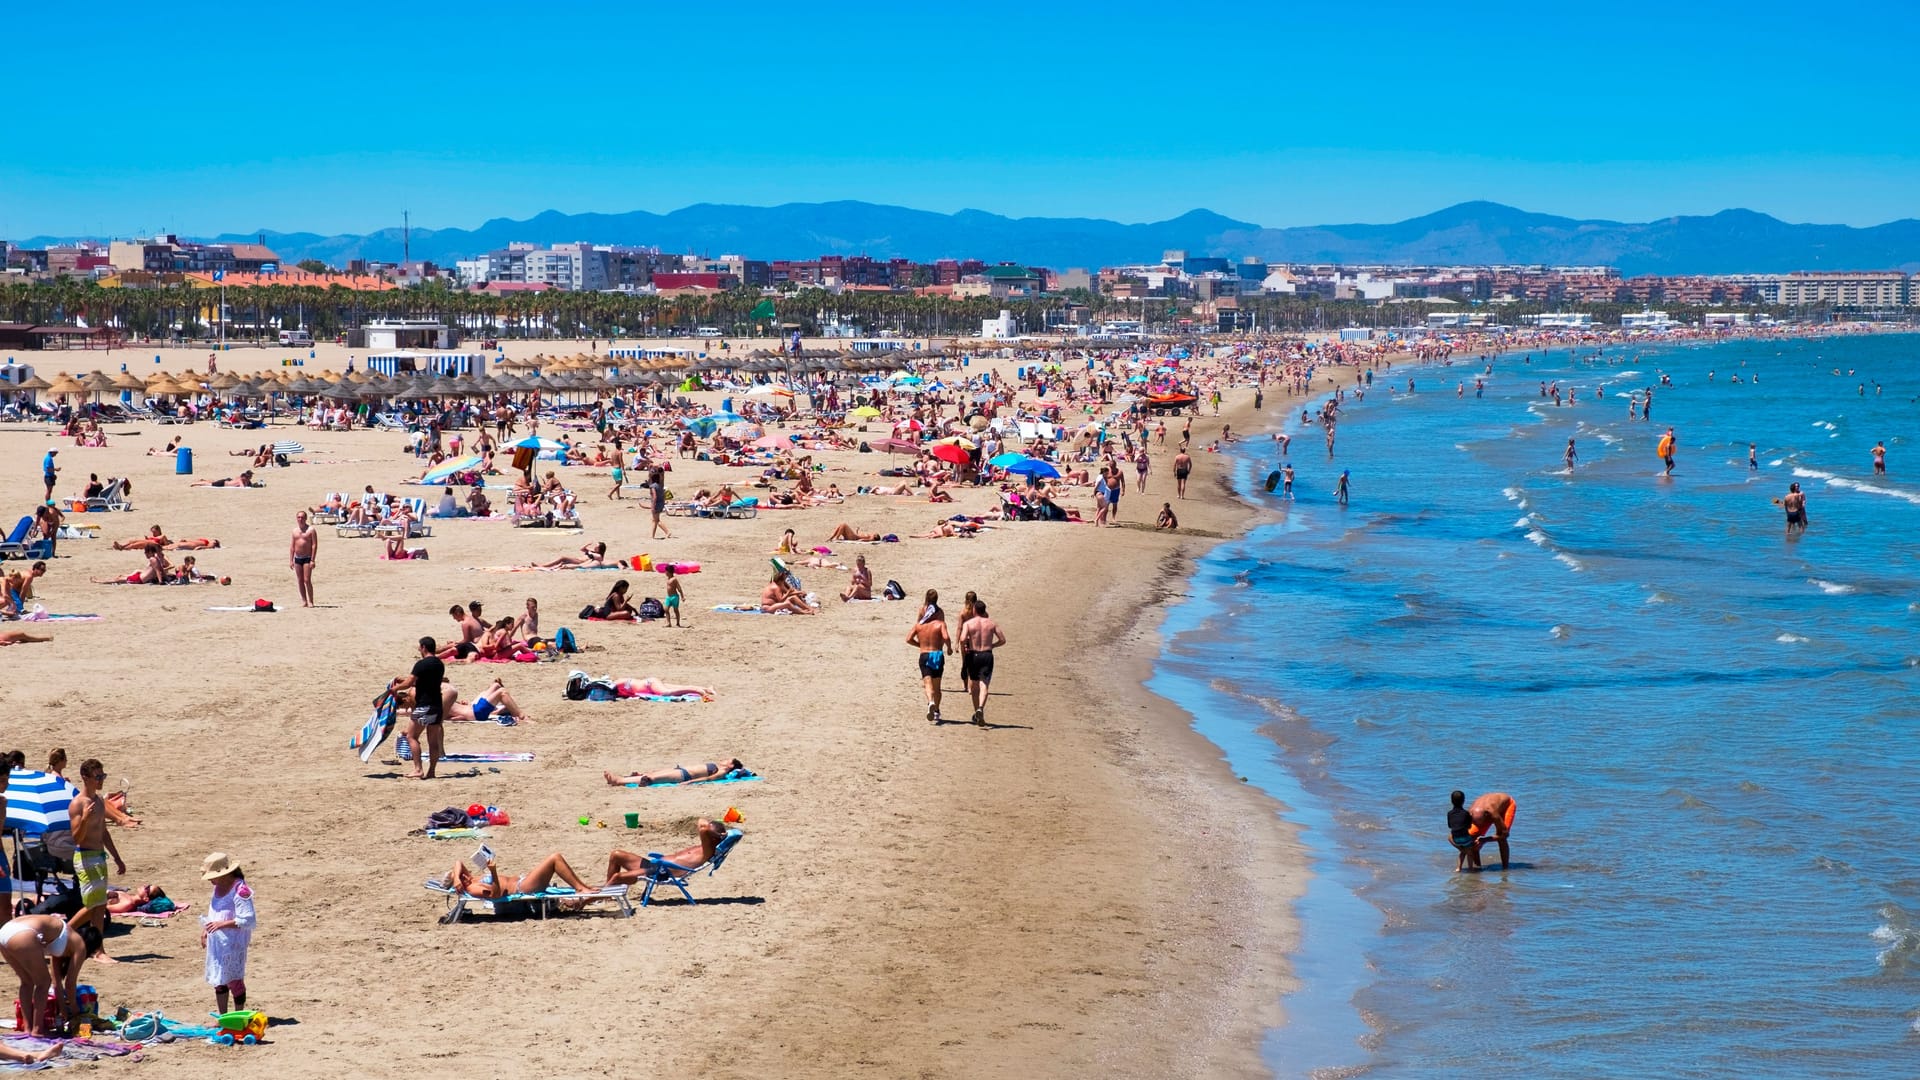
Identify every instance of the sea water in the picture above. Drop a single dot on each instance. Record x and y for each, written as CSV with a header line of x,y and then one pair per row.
x,y
1708,724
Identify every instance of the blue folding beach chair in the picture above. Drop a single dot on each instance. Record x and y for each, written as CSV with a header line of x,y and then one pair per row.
x,y
15,545
539,903
662,871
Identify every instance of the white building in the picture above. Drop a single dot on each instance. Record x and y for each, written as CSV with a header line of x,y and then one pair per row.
x,y
577,267
1656,321
472,271
1560,320
999,329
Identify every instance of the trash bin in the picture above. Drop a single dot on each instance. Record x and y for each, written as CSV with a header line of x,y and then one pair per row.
x,y
183,461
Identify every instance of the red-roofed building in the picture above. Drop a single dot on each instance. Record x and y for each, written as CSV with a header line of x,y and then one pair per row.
x,y
665,281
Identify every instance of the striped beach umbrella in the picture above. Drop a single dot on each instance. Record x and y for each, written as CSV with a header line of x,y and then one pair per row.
x,y
37,802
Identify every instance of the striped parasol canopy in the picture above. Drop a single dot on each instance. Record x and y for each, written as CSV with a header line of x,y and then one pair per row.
x,y
37,802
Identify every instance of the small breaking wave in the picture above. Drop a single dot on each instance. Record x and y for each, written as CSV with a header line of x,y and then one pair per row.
x,y
1789,639
1832,588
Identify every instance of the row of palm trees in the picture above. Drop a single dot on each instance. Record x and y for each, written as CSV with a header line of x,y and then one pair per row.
x,y
259,312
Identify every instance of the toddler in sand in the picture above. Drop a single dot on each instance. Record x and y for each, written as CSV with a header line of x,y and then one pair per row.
x,y
227,930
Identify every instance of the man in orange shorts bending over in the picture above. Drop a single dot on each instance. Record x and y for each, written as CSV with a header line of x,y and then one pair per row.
x,y
1490,816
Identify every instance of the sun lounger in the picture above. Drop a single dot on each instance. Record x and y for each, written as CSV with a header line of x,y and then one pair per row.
x,y
166,418
113,497
540,903
686,508
662,871
332,517
15,545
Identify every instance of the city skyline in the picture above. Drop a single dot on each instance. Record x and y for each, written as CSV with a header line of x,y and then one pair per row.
x,y
1281,119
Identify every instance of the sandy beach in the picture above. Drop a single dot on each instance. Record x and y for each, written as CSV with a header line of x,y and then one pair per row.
x,y
1083,884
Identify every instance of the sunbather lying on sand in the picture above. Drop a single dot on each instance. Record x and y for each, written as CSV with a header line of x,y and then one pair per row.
x,y
678,774
490,884
494,699
20,637
844,531
245,480
949,528
593,555
625,867
128,901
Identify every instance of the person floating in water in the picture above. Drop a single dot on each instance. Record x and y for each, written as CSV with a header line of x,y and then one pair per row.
x,y
1468,827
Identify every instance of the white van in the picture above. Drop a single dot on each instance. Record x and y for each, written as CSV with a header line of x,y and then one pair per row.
x,y
706,331
295,337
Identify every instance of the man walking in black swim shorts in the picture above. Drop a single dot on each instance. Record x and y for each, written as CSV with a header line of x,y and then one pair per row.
x,y
979,636
424,728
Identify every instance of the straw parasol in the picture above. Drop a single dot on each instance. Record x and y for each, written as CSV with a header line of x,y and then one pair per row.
x,y
127,380
67,384
35,383
223,381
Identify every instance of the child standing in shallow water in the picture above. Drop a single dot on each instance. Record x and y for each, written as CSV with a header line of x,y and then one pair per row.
x,y
227,930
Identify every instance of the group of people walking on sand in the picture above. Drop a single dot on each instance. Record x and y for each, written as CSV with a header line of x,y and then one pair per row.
x,y
977,638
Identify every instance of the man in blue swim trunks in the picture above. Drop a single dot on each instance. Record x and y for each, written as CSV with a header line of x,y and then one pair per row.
x,y
48,473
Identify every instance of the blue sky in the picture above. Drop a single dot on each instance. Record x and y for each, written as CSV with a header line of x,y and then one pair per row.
x,y
335,117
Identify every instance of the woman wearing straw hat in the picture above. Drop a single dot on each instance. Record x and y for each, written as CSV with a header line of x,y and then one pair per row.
x,y
227,930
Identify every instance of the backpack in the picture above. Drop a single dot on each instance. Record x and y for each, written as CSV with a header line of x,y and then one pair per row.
x,y
589,612
563,641
452,817
893,591
651,609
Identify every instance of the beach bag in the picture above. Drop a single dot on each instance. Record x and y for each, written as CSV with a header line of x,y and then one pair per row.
x,y
590,612
864,448
652,609
563,640
452,817
893,591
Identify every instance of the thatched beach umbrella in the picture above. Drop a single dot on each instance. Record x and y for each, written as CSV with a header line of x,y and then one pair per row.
x,y
67,384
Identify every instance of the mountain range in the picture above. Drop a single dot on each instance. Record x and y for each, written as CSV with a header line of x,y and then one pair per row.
x,y
1476,233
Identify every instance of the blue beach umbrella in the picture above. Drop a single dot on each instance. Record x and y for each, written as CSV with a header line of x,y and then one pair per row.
x,y
1033,467
703,426
37,802
1001,461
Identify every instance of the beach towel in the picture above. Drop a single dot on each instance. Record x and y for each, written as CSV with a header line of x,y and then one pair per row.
x,y
249,608
40,614
536,569
746,609
405,749
691,783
